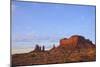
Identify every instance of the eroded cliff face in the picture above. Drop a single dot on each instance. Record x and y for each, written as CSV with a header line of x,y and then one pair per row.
x,y
71,41
73,49
76,41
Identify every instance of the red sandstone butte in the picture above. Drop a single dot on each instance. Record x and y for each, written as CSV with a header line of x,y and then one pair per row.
x,y
73,40
76,40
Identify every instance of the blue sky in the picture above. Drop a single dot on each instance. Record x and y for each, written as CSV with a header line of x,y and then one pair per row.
x,y
45,23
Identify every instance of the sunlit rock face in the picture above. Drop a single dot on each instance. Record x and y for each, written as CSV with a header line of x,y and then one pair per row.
x,y
76,41
73,49
71,41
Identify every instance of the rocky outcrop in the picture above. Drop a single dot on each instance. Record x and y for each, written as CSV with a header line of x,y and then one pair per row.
x,y
39,48
76,41
73,49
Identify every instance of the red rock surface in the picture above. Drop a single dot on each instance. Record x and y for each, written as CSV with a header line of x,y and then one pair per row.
x,y
76,41
73,49
71,41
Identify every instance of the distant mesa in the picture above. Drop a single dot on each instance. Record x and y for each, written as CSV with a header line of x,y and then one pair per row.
x,y
73,49
76,40
73,40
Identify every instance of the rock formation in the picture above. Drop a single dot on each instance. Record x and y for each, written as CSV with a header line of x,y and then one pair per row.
x,y
39,48
73,49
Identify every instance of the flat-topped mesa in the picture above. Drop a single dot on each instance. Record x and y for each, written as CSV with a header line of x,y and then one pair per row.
x,y
72,41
